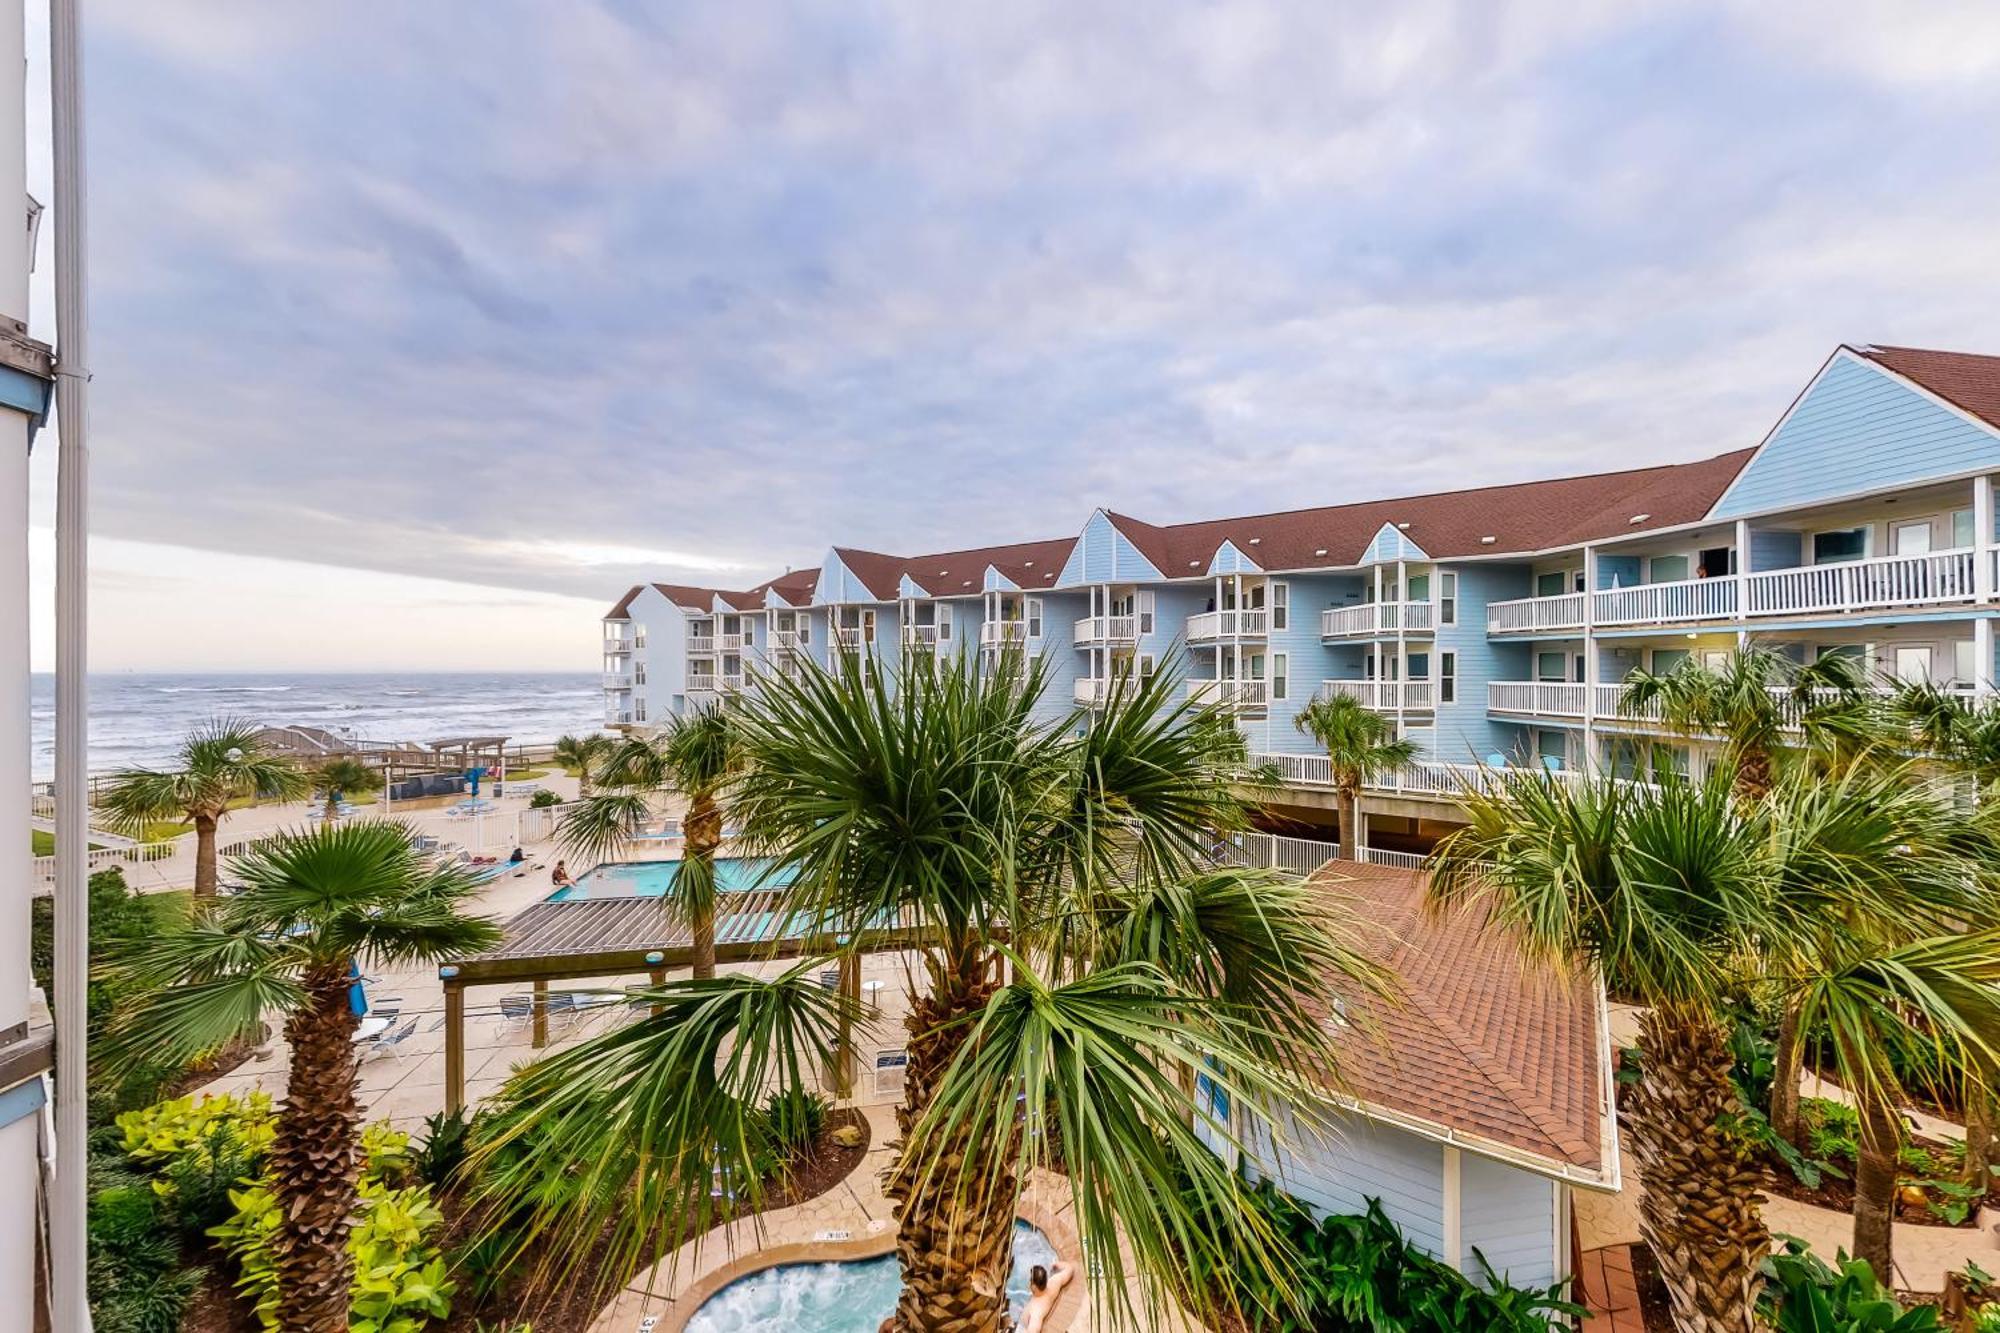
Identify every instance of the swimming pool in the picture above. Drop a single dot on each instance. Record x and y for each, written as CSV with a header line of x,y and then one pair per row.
x,y
650,879
853,1297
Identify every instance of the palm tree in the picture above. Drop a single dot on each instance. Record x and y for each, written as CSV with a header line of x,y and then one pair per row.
x,y
582,755
218,763
1751,703
697,755
1361,744
345,777
1685,896
1079,960
314,906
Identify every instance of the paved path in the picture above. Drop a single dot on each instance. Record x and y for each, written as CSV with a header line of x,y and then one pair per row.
x,y
1608,1289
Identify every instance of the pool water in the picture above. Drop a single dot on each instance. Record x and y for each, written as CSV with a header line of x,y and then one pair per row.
x,y
852,1297
650,879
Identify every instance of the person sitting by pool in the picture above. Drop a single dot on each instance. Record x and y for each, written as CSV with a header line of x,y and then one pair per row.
x,y
559,876
1044,1285
518,857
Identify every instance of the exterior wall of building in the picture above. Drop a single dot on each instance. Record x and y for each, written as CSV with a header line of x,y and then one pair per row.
x,y
1465,732
1512,1217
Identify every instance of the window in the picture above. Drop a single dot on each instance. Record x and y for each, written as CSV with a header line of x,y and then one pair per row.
x,y
1716,562
639,709
639,674
1447,677
1145,613
1552,668
1447,599
1913,538
944,624
1552,748
1281,672
1034,617
1846,544
1913,664
1420,666
1420,588
1667,569
1964,665
1961,528
1550,585
1666,659
1281,606
1145,666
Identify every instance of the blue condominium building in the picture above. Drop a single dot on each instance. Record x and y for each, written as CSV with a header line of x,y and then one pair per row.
x,y
1493,625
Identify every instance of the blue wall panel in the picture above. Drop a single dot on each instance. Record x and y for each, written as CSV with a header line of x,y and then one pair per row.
x,y
1508,1215
1618,571
1391,544
1230,560
1465,734
1858,428
1775,549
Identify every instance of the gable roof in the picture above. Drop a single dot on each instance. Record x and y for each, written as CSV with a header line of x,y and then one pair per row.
x,y
618,611
1509,1060
1029,565
1968,382
878,573
688,597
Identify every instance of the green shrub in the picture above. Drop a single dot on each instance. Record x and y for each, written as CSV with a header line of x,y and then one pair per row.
x,y
134,1275
447,1140
170,1128
792,1120
543,799
1833,1129
1803,1295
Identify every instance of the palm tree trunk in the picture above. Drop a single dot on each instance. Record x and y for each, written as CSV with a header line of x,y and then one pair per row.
x,y
1978,1135
704,836
1350,822
955,1221
1753,780
332,803
1699,1211
316,1159
1788,1064
204,855
1875,1186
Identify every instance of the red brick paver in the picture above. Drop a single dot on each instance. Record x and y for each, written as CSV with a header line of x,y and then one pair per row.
x,y
1610,1292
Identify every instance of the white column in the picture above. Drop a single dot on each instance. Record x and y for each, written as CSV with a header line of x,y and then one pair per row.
x,y
1590,669
1453,1242
1982,656
1402,654
1742,569
1982,539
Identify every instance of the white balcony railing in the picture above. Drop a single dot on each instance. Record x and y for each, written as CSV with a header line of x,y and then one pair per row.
x,y
1091,692
1372,618
701,645
617,680
1897,580
1546,698
617,717
1683,599
1228,693
704,684
1106,629
618,645
789,640
1528,615
849,637
1208,626
920,636
1386,696
996,632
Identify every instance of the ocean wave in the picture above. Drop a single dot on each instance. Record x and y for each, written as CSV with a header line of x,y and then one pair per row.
x,y
222,689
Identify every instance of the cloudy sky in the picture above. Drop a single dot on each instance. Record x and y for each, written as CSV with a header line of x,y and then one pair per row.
x,y
534,300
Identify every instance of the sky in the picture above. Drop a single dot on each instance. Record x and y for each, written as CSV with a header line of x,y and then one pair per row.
x,y
422,331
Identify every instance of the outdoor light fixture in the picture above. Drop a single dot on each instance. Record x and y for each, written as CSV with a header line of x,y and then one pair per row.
x,y
656,957
448,971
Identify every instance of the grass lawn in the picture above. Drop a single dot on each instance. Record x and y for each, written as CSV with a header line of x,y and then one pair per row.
x,y
171,907
43,843
524,774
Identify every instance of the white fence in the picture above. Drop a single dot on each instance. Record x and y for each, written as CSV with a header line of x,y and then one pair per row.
x,y
1227,625
1384,695
147,865
1402,860
1528,614
1303,856
1375,618
1902,580
1683,599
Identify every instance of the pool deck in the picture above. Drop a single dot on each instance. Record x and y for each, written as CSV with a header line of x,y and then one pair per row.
x,y
853,1220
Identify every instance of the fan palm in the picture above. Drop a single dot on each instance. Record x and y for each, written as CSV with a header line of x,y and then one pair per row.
x,y
1078,961
345,777
218,763
1752,704
1361,744
582,755
1685,896
696,755
314,906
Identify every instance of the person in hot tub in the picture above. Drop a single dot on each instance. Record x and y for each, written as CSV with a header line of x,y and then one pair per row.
x,y
1044,1285
559,876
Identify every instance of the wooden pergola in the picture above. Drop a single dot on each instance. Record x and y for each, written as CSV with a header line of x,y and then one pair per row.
x,y
587,938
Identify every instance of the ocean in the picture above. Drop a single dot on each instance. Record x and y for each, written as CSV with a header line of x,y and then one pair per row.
x,y
136,720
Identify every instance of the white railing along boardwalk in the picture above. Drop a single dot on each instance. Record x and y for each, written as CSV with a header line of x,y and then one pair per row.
x,y
1207,626
1382,857
1228,693
1683,599
1341,622
147,866
1268,851
1899,580
1527,615
1385,695
1107,629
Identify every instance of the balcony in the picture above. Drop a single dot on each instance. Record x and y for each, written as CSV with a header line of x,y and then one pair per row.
x,y
920,636
1373,619
618,645
850,638
1090,692
702,684
1240,694
1939,579
1543,698
1385,696
702,646
617,680
617,717
1093,631
1212,626
789,640
995,633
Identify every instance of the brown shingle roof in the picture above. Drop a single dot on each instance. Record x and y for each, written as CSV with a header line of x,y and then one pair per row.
x,y
1967,381
1030,565
1477,1041
625,603
1523,516
878,573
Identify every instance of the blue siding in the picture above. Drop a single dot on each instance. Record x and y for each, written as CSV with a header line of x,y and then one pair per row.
x,y
1103,554
1229,560
838,584
994,581
1465,733
1617,571
1060,612
1391,543
1775,548
1360,1160
1857,428
1276,732
908,587
1509,1216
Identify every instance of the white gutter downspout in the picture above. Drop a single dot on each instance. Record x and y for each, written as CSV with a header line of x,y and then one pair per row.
x,y
71,1308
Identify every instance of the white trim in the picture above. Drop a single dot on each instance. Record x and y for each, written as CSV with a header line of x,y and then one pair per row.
x,y
1452,1242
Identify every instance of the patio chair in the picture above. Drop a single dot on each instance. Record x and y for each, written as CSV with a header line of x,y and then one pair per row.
x,y
830,979
518,1010
391,1042
892,1065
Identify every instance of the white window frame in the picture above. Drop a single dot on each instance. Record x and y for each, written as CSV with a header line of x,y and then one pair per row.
x,y
944,622
1281,676
1447,667
1447,598
1281,606
1032,613
1146,607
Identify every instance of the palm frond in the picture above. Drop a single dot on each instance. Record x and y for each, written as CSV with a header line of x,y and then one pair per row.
x,y
597,828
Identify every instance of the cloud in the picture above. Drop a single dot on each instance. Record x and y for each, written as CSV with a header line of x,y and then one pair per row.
x,y
559,298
